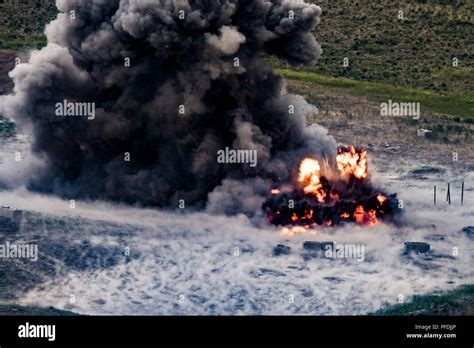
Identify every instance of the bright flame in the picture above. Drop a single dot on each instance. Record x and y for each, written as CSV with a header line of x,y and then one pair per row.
x,y
309,176
359,214
294,217
352,163
381,198
372,217
345,216
294,230
308,215
363,217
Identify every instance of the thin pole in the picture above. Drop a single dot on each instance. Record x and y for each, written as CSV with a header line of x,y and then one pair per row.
x,y
434,195
448,195
462,193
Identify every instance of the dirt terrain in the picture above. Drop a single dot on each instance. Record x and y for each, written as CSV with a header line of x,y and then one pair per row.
x,y
358,121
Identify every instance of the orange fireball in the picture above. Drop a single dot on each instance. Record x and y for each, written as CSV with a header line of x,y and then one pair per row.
x,y
351,162
381,198
309,177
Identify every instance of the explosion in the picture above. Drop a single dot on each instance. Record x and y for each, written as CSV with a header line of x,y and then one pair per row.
x,y
168,84
162,84
315,200
352,162
310,178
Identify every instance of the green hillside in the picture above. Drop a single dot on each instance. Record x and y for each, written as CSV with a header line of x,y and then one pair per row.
x,y
22,25
459,301
417,51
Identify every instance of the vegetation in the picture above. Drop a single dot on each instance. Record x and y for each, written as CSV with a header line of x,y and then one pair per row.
x,y
7,128
452,103
22,25
456,302
35,311
416,51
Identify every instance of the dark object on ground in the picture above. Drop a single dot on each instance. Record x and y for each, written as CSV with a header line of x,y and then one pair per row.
x,y
416,247
469,230
436,237
10,220
317,246
427,170
281,249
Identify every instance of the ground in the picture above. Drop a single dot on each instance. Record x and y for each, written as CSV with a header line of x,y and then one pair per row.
x,y
83,253
354,116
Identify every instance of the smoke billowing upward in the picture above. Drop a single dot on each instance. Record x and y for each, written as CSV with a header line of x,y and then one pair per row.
x,y
196,83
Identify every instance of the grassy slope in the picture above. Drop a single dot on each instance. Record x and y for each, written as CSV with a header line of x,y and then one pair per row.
x,y
22,26
456,302
35,311
451,103
414,52
403,60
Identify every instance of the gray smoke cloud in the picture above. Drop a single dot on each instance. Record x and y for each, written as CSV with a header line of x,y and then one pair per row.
x,y
182,53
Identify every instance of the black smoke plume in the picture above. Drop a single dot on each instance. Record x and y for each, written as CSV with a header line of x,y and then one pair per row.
x,y
205,55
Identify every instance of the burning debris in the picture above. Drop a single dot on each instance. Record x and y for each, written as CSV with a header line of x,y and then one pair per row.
x,y
342,194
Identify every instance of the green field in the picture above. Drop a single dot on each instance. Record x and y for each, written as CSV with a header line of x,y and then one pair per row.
x,y
21,26
416,51
451,104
